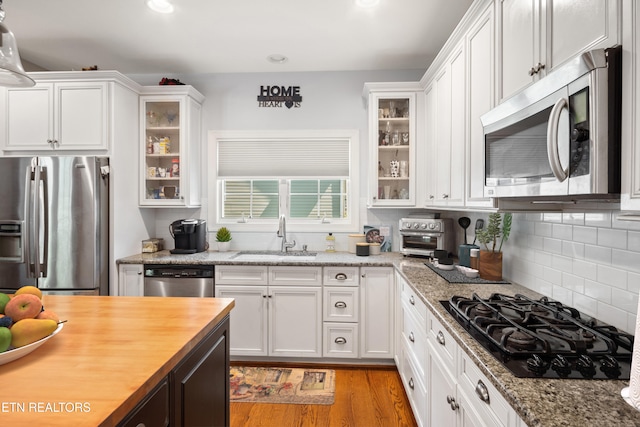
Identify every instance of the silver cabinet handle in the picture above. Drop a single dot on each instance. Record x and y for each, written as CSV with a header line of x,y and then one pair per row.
x,y
482,391
452,402
341,276
445,196
440,338
340,340
412,300
340,304
411,385
412,338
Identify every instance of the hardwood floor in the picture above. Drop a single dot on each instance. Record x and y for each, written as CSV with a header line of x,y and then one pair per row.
x,y
365,397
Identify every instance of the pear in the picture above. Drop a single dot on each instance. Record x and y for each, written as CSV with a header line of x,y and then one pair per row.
x,y
27,331
5,339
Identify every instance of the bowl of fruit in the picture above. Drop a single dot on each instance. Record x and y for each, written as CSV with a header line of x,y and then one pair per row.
x,y
24,323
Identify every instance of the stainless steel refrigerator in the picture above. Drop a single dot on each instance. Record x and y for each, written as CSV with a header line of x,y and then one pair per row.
x,y
54,225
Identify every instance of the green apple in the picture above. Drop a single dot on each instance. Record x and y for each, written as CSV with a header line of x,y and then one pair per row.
x,y
5,339
4,299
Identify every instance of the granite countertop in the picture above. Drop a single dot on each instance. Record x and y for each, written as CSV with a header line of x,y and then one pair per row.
x,y
539,402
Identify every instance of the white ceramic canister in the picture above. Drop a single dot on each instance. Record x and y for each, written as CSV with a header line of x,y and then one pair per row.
x,y
353,240
374,248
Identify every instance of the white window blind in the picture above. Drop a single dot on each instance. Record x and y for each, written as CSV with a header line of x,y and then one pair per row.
x,y
284,157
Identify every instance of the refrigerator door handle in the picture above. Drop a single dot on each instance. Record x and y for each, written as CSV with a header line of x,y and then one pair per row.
x,y
27,232
44,217
33,219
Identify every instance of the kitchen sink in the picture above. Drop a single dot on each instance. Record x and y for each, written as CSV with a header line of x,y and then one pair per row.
x,y
274,256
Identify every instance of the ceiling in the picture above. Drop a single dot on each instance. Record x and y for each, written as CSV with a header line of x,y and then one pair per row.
x,y
231,36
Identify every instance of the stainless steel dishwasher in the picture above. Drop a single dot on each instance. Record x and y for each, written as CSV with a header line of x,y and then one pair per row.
x,y
178,281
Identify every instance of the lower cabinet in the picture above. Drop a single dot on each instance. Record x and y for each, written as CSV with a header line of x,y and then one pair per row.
x,y
196,391
341,312
377,305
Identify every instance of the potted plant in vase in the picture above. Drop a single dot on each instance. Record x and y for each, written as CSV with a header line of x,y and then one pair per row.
x,y
223,237
492,238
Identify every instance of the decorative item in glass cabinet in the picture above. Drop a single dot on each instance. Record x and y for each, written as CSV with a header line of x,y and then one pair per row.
x,y
394,165
405,138
153,118
171,116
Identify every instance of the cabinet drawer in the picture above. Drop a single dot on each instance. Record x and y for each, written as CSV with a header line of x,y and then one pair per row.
x,y
415,338
410,296
295,276
341,276
482,395
340,340
241,275
153,410
414,387
442,342
341,304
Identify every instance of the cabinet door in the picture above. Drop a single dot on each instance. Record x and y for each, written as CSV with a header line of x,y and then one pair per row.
x,y
28,117
152,411
430,157
295,321
130,280
200,383
248,319
81,116
442,389
377,312
519,47
480,68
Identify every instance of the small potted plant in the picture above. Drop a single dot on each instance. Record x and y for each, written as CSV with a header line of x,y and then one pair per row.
x,y
492,238
223,237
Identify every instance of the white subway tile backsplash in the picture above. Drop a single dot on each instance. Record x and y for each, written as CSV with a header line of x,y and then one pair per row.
x,y
612,315
574,218
585,304
612,238
573,249
553,246
597,254
552,276
562,263
543,229
624,300
598,291
573,283
633,282
552,217
633,241
612,276
562,231
585,269
598,219
625,260
587,235
562,294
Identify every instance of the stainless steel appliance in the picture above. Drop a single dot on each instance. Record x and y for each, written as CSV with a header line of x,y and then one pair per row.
x,y
178,281
190,236
54,224
544,338
423,236
561,135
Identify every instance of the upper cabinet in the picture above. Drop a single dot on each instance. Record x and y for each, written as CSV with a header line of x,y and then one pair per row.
x,y
170,140
392,143
536,36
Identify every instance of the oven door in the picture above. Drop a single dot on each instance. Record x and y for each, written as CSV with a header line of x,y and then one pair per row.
x,y
420,243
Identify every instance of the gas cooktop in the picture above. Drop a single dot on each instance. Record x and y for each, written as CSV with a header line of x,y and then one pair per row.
x,y
544,338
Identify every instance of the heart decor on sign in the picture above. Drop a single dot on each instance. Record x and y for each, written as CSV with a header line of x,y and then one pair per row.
x,y
288,104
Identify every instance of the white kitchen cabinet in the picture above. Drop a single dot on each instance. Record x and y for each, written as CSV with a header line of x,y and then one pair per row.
x,y
536,36
446,132
377,312
630,191
130,280
392,143
341,312
480,42
278,310
71,115
170,143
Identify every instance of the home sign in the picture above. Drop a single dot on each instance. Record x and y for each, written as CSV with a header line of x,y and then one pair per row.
x,y
279,96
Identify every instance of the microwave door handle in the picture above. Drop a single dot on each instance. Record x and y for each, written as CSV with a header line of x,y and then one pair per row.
x,y
552,140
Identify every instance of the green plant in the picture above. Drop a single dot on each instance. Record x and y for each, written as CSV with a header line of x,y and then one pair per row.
x,y
496,233
223,235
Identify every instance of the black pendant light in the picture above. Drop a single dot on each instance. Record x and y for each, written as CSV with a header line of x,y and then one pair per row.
x,y
11,72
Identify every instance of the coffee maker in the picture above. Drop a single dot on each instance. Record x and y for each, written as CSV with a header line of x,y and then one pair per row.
x,y
190,236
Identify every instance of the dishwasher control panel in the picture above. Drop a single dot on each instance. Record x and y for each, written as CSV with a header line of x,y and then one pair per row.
x,y
178,271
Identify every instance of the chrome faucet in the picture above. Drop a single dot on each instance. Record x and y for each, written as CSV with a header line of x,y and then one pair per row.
x,y
282,232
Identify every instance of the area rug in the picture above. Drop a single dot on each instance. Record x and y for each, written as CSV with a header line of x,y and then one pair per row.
x,y
302,386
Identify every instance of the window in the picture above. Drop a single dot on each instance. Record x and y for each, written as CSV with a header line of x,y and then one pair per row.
x,y
305,175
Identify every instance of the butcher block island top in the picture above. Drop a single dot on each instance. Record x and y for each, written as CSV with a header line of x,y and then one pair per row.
x,y
110,354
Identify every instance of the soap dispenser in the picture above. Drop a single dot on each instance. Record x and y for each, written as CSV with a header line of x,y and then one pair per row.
x,y
331,243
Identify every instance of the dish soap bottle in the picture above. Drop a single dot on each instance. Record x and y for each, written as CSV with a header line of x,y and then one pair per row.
x,y
331,243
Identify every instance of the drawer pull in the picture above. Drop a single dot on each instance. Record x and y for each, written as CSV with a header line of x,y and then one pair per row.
x,y
341,276
412,338
482,391
340,340
340,304
411,385
412,300
452,402
440,338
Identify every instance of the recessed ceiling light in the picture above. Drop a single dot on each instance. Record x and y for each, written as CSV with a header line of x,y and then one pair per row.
x,y
277,58
367,3
161,6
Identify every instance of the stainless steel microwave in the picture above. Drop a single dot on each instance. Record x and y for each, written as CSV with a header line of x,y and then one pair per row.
x,y
561,135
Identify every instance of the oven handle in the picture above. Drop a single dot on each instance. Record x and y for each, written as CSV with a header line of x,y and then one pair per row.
x,y
420,233
552,140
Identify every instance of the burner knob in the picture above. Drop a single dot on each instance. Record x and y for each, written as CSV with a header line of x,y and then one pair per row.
x,y
537,365
416,225
407,225
423,226
610,367
585,366
561,365
432,226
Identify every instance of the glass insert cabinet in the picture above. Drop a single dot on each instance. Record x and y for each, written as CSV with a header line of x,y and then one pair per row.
x,y
392,142
170,145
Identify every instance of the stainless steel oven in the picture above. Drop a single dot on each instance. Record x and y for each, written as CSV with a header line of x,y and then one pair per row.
x,y
422,236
